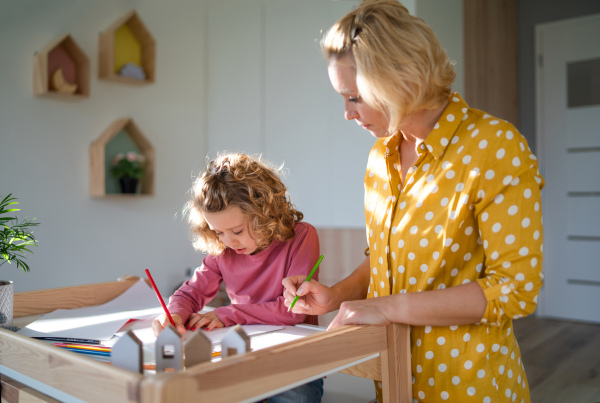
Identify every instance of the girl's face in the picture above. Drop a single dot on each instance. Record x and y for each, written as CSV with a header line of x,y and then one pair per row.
x,y
342,74
233,228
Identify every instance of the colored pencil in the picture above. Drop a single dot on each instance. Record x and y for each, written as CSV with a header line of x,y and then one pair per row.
x,y
159,297
67,339
82,347
307,279
88,352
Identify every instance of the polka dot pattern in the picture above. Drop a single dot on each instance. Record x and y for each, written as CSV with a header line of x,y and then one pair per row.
x,y
468,210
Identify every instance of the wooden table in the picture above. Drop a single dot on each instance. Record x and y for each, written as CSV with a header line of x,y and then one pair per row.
x,y
32,370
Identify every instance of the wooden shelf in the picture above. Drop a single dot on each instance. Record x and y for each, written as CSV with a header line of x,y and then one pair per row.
x,y
61,70
127,40
98,159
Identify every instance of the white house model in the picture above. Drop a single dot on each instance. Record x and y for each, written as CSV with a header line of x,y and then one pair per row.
x,y
127,353
169,351
196,349
236,341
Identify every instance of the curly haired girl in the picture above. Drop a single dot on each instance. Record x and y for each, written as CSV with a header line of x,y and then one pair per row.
x,y
241,215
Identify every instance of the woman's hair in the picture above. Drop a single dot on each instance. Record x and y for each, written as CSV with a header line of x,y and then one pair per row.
x,y
400,64
249,183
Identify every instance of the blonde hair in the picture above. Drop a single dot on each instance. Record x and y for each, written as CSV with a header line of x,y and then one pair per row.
x,y
400,64
250,184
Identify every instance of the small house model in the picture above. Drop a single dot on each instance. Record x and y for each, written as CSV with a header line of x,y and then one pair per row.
x,y
169,351
236,341
196,349
127,353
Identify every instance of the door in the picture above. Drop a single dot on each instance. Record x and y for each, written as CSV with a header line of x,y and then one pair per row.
x,y
568,135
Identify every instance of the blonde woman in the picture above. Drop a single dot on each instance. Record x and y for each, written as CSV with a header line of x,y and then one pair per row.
x,y
453,213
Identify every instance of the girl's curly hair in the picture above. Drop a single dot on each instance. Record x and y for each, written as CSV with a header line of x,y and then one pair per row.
x,y
250,184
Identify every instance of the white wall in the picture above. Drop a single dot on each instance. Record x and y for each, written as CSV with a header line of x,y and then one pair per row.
x,y
44,144
231,75
270,94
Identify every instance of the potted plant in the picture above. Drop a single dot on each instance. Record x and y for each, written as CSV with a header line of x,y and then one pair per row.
x,y
129,169
16,237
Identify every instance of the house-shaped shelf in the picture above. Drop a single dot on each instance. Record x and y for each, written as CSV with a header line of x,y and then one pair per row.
x,y
127,51
61,70
121,136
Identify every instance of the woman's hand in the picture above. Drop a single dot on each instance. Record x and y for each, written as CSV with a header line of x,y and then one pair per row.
x,y
315,298
162,321
209,319
362,312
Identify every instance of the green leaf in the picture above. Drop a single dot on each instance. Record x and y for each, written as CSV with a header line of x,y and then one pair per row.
x,y
16,237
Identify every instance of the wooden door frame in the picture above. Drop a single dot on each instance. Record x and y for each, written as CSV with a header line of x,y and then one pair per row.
x,y
491,57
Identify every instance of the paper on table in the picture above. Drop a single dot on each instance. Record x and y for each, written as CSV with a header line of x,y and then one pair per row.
x,y
99,322
143,330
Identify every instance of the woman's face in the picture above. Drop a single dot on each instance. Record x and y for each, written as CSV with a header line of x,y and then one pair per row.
x,y
233,228
342,75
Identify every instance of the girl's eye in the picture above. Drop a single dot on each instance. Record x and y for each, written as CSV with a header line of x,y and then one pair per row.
x,y
238,232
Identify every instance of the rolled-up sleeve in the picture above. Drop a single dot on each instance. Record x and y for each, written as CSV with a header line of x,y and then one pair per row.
x,y
510,223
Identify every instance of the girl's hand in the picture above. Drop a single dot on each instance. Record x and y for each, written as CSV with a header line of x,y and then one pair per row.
x,y
162,321
315,298
209,319
362,312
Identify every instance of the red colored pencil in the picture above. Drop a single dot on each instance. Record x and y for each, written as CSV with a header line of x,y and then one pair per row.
x,y
159,297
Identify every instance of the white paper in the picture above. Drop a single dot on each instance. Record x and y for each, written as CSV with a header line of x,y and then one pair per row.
x,y
99,322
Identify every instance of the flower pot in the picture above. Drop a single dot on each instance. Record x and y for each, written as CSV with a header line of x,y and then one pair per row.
x,y
6,303
128,185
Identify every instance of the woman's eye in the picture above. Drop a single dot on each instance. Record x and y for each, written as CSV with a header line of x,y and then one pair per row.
x,y
353,99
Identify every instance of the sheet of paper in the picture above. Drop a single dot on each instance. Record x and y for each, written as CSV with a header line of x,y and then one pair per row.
x,y
99,322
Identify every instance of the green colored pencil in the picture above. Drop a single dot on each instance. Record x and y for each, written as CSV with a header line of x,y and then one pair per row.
x,y
307,279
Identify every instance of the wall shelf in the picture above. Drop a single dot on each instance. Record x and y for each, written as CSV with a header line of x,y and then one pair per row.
x,y
99,160
127,42
61,70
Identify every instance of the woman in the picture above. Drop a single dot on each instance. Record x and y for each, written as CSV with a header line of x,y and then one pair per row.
x,y
453,213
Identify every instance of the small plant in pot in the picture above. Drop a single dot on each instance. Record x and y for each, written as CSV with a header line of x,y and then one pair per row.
x,y
129,169
16,238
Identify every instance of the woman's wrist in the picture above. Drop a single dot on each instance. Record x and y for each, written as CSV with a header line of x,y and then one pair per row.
x,y
337,296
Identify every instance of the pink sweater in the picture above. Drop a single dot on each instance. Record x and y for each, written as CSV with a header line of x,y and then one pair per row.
x,y
253,282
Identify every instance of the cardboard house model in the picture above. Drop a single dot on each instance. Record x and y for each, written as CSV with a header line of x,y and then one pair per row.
x,y
197,348
127,353
169,351
236,341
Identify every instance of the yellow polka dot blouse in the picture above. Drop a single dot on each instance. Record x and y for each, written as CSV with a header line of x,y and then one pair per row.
x,y
469,210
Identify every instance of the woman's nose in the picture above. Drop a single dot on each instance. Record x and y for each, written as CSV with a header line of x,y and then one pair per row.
x,y
350,114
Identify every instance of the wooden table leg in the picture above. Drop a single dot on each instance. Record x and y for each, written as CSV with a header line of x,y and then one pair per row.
x,y
395,365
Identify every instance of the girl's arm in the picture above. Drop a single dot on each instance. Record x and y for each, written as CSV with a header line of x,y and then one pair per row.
x,y
193,295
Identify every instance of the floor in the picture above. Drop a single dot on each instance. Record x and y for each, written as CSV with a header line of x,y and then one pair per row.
x,y
562,359
562,362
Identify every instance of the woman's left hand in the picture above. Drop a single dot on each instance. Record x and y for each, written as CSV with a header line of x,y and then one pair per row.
x,y
209,319
362,312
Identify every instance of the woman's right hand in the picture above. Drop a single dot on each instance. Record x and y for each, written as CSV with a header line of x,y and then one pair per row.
x,y
315,298
162,321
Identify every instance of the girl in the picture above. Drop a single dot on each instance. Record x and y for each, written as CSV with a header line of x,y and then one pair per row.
x,y
241,215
